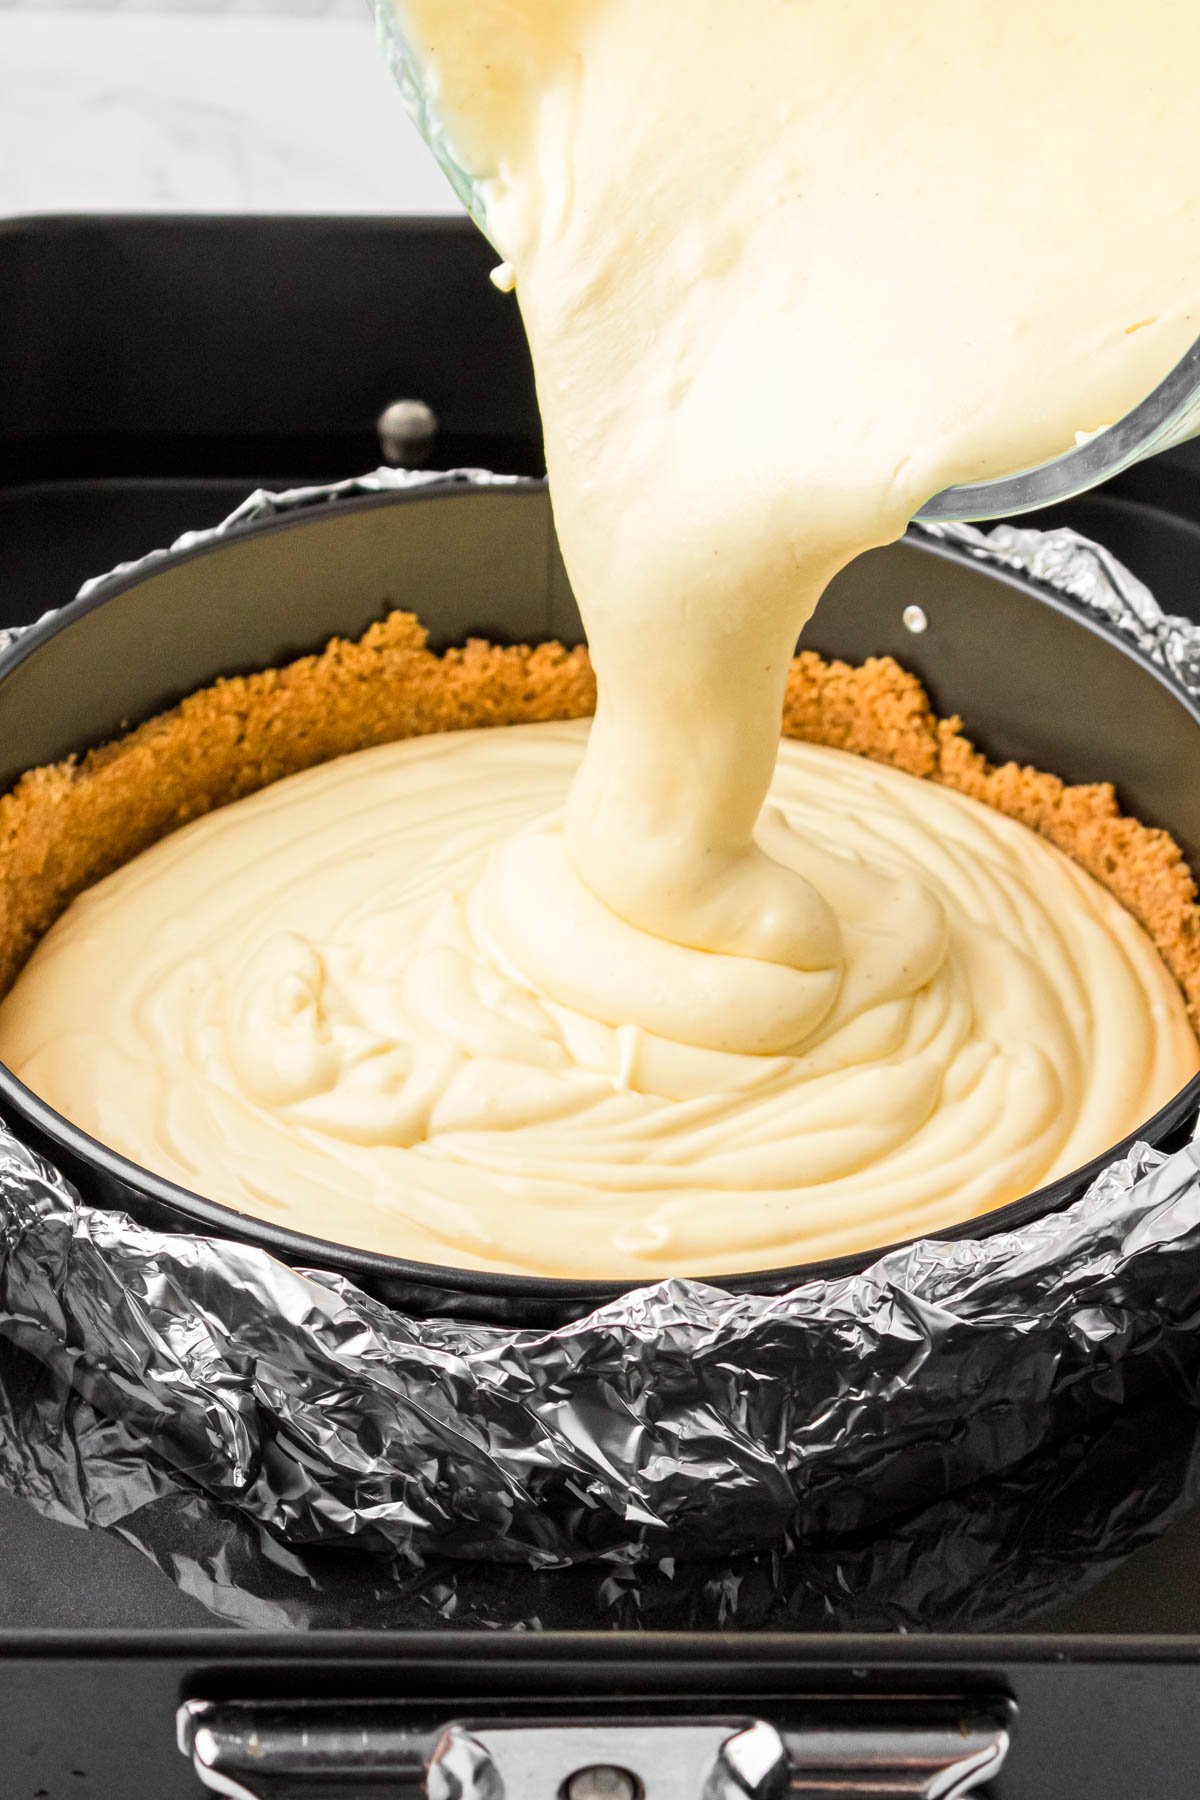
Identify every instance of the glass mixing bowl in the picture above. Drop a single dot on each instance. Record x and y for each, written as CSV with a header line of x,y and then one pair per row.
x,y
1167,416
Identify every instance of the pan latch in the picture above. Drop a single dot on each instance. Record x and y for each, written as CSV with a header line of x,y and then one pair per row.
x,y
823,1747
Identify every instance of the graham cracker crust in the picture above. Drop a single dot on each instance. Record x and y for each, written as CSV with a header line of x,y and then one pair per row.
x,y
66,825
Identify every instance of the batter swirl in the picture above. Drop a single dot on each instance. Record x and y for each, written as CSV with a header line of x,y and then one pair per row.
x,y
312,1005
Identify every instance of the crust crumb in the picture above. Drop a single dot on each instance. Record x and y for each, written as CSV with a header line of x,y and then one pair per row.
x,y
65,826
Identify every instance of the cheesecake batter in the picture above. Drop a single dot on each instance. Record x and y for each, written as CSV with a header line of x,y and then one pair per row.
x,y
787,269
306,1005
523,1001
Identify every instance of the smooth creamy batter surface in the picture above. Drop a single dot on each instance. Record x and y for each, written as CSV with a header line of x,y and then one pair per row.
x,y
305,1005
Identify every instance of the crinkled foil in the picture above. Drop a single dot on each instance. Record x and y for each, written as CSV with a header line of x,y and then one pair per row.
x,y
697,1444
678,1421
1020,1548
1090,575
262,504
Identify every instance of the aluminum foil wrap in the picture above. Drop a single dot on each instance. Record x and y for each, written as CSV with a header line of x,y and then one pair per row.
x,y
1026,1545
679,1435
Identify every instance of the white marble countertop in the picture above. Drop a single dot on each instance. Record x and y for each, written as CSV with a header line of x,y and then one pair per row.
x,y
121,110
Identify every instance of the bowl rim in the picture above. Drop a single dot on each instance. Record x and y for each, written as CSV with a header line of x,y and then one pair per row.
x,y
300,1249
1168,414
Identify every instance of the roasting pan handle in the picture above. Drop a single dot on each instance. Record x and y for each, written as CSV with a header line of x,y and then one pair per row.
x,y
821,1747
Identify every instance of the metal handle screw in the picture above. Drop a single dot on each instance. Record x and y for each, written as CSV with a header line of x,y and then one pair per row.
x,y
602,1781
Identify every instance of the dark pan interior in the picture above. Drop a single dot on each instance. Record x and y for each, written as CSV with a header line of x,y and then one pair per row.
x,y
1031,680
